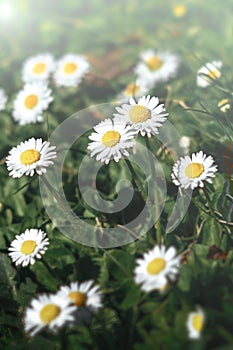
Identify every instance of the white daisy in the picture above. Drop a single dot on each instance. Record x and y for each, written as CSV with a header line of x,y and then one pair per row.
x,y
85,296
184,143
208,73
38,68
70,70
224,105
195,323
51,311
145,116
157,66
30,102
29,157
28,246
134,89
157,268
110,140
3,99
192,171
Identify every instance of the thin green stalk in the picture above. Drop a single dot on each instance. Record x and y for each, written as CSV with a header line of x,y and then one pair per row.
x,y
136,181
156,196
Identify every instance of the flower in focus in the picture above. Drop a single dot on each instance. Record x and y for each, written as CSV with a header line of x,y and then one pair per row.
x,y
38,68
157,66
195,323
29,157
146,115
70,70
30,102
28,246
192,171
209,73
157,268
3,99
85,296
110,140
48,311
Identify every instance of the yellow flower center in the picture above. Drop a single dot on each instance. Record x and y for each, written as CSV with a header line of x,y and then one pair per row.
x,y
156,266
70,67
139,114
194,170
31,101
154,63
197,322
49,312
224,105
132,89
179,10
29,156
214,74
111,138
28,247
78,298
39,68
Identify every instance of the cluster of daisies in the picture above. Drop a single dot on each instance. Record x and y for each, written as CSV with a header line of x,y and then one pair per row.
x,y
35,96
74,304
111,139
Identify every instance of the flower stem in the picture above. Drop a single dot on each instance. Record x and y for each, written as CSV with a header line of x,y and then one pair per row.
x,y
156,195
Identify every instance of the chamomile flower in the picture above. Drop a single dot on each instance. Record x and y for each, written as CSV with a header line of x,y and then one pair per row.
x,y
38,68
210,72
192,171
28,246
134,89
3,99
195,323
110,140
30,102
70,70
146,115
85,296
157,268
184,143
48,311
29,157
224,105
157,66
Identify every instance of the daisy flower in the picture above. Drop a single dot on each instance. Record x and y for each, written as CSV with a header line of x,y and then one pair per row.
x,y
146,116
184,143
224,105
50,311
29,157
28,246
38,68
157,66
134,89
3,99
195,323
110,140
192,171
30,102
157,268
208,73
70,70
85,296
